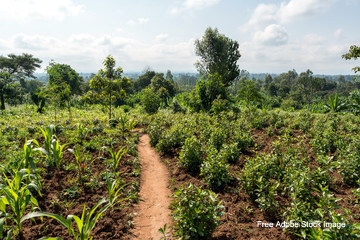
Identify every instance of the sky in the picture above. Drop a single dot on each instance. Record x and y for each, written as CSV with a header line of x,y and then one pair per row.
x,y
274,36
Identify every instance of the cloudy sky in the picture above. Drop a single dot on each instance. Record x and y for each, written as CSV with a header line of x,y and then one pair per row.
x,y
274,35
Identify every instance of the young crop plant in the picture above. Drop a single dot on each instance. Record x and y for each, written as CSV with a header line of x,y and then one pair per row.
x,y
114,190
15,200
84,225
116,157
125,124
52,150
81,162
190,156
196,211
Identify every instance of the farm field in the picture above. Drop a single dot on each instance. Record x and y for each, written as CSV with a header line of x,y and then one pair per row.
x,y
271,166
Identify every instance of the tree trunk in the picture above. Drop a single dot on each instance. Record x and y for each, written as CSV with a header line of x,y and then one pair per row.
x,y
110,105
2,107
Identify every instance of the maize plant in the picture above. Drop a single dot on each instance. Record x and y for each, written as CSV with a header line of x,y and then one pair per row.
x,y
52,150
16,198
84,224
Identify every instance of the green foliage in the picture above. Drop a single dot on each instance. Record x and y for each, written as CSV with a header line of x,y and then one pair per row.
x,y
219,55
335,105
354,53
62,73
150,100
190,156
52,148
250,93
196,212
15,68
215,171
114,190
116,157
108,84
85,224
15,200
209,89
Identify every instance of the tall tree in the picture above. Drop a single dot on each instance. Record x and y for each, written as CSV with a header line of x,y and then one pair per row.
x,y
62,73
354,53
108,84
12,69
67,78
309,84
169,75
144,80
219,55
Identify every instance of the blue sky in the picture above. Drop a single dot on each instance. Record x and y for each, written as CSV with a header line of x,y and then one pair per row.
x,y
274,36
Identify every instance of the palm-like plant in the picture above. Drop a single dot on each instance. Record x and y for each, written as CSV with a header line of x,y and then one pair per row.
x,y
335,104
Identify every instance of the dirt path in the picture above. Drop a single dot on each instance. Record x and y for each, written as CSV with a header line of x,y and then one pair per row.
x,y
152,210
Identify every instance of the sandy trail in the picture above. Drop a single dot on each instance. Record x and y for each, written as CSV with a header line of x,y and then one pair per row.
x,y
152,210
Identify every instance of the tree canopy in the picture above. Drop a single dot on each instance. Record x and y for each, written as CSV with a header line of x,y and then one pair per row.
x,y
354,53
108,84
15,68
218,55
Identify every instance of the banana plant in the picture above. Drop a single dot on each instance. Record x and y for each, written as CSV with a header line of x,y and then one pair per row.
x,y
335,105
16,198
85,224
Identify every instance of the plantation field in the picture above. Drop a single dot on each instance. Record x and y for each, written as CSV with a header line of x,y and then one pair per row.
x,y
94,160
227,172
273,166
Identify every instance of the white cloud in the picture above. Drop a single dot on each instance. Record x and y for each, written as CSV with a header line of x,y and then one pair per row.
x,y
138,21
272,35
193,4
161,37
85,52
314,39
199,3
56,9
302,8
265,14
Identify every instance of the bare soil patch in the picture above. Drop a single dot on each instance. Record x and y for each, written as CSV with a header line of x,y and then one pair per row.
x,y
153,211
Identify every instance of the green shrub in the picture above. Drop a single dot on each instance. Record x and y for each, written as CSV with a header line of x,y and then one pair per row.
x,y
215,171
190,156
196,212
230,152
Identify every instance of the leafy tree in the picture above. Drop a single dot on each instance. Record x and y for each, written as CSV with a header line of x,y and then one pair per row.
x,y
354,53
58,94
250,93
38,97
219,55
164,87
12,69
150,100
144,80
169,75
208,89
108,84
64,82
309,84
62,73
